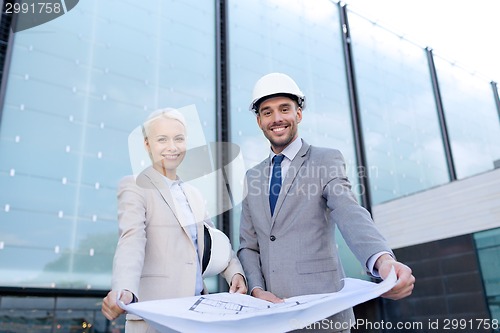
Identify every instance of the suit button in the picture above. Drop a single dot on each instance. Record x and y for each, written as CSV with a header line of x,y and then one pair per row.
x,y
272,238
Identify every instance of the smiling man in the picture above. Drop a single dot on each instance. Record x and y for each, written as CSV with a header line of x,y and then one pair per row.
x,y
287,244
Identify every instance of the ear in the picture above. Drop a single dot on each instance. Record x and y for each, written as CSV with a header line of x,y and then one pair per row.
x,y
146,145
299,114
257,115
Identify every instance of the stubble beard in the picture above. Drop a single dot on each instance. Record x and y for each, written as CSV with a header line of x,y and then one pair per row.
x,y
280,142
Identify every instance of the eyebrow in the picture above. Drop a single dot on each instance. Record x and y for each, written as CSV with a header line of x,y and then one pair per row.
x,y
175,136
280,106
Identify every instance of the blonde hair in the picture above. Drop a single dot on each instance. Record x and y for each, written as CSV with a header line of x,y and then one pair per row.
x,y
169,113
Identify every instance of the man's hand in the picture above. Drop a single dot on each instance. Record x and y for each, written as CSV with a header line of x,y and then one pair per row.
x,y
406,282
266,295
238,284
110,308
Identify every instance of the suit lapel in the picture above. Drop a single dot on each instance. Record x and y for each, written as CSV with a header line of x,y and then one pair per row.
x,y
290,177
264,181
160,184
197,207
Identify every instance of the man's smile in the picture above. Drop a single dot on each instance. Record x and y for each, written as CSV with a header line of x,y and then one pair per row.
x,y
279,129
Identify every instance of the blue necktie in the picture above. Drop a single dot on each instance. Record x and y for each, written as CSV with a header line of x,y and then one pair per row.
x,y
274,189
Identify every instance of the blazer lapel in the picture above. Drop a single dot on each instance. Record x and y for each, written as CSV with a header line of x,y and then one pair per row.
x,y
264,183
197,207
290,177
160,184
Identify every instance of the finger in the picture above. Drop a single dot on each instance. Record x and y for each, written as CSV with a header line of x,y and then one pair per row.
x,y
236,287
402,288
405,281
242,289
272,298
405,276
277,300
125,296
109,307
108,314
238,290
398,293
235,284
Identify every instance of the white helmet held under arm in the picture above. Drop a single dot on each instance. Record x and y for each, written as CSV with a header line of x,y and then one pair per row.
x,y
276,84
217,252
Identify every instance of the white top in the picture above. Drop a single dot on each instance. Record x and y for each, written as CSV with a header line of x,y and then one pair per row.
x,y
189,222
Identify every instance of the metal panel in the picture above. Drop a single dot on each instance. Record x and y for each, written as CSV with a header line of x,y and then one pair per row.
x,y
458,208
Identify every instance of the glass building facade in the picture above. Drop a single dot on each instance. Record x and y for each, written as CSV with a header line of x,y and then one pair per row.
x,y
398,114
74,88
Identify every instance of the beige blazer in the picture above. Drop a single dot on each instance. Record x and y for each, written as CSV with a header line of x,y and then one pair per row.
x,y
155,257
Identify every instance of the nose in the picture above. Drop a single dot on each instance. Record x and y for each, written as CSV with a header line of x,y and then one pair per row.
x,y
171,146
277,116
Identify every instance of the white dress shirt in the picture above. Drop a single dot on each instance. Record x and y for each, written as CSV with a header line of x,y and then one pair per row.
x,y
188,221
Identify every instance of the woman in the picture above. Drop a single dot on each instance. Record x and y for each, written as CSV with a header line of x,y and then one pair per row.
x,y
161,225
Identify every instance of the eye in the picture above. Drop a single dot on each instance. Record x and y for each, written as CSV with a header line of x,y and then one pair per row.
x,y
180,139
162,140
266,113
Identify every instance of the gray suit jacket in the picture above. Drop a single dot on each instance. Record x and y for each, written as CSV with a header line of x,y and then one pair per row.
x,y
294,252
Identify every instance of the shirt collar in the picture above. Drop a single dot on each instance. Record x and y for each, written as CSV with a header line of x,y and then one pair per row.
x,y
290,151
171,182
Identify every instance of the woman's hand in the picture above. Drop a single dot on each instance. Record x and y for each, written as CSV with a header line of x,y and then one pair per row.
x,y
110,309
238,284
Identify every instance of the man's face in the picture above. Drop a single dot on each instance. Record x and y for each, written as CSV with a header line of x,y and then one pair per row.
x,y
166,144
278,118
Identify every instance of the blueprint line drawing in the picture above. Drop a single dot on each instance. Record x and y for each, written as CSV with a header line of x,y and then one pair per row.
x,y
219,305
215,306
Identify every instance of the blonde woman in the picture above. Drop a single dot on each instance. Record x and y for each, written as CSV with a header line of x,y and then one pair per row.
x,y
161,226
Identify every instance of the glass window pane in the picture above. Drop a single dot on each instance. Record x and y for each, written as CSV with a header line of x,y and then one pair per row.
x,y
400,125
471,118
488,251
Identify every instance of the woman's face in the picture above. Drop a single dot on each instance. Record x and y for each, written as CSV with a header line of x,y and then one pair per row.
x,y
166,144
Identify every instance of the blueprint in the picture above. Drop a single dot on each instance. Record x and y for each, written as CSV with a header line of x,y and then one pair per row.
x,y
224,312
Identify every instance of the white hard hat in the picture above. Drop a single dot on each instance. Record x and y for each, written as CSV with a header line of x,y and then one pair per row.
x,y
276,84
217,253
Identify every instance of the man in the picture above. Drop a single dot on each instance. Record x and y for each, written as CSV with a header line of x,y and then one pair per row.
x,y
287,245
